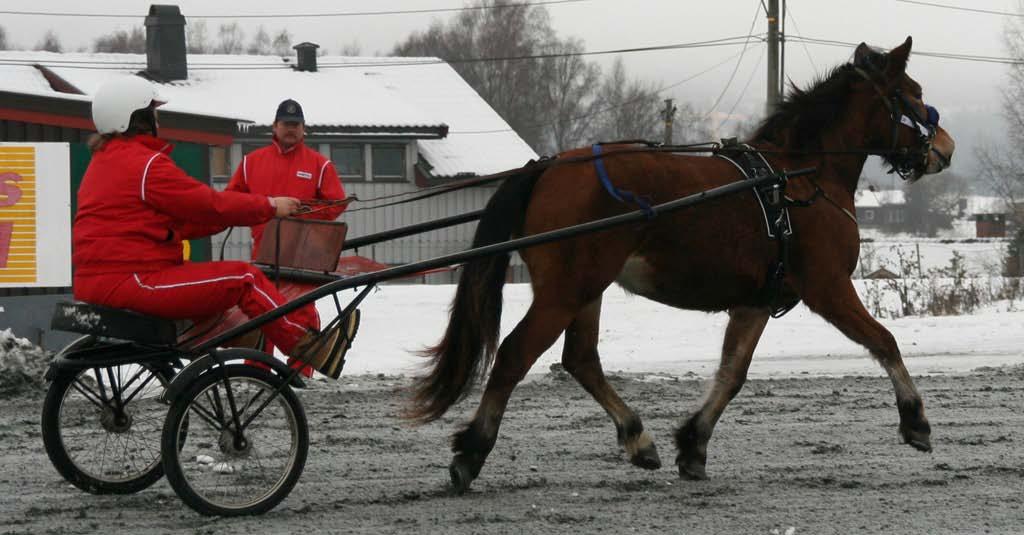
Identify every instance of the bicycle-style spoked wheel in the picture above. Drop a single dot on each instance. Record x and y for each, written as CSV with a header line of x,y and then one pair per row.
x,y
101,427
217,470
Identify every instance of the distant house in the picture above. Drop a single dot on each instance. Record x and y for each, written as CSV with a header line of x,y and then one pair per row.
x,y
390,125
883,209
988,213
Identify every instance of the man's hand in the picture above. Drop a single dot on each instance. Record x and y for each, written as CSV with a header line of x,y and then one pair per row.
x,y
285,206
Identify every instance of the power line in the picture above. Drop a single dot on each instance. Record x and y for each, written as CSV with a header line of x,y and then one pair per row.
x,y
757,11
750,78
120,65
612,108
789,15
943,55
300,15
960,8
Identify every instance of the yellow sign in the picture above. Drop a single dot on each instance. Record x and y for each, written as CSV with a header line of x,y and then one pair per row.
x,y
18,214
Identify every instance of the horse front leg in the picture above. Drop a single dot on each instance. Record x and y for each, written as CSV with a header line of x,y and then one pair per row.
x,y
841,306
741,337
534,334
581,360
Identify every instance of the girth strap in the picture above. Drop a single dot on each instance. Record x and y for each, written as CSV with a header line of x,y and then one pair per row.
x,y
616,193
774,206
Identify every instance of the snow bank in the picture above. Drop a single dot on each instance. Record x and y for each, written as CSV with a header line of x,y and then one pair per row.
x,y
22,364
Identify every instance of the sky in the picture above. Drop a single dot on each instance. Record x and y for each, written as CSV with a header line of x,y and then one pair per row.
x,y
967,94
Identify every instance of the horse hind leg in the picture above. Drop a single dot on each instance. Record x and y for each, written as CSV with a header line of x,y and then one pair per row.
x,y
534,334
741,337
581,360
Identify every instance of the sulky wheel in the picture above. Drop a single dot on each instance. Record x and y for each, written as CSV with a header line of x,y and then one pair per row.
x,y
101,426
218,470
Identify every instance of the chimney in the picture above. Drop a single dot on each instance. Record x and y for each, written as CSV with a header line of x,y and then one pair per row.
x,y
165,44
307,56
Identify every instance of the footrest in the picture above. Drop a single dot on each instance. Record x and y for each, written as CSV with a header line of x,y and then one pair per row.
x,y
99,320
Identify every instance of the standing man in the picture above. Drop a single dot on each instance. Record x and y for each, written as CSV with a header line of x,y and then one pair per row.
x,y
288,168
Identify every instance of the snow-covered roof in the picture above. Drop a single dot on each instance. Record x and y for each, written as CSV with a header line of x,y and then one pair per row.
x,y
874,199
378,93
979,204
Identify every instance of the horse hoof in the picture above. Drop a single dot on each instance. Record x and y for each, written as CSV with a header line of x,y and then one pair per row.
x,y
647,458
918,440
461,477
692,471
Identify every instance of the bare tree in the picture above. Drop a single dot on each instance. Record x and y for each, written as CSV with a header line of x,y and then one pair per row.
x,y
1002,167
513,87
352,48
260,44
230,39
691,125
197,38
933,202
570,84
50,42
630,108
282,44
122,41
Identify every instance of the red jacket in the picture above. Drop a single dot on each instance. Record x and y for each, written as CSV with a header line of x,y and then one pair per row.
x,y
299,172
135,206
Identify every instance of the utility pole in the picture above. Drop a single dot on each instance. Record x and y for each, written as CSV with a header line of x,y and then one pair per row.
x,y
668,115
774,94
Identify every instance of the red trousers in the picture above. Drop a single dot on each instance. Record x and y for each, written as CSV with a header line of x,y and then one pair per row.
x,y
200,290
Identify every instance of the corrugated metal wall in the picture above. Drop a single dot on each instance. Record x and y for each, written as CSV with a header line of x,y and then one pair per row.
x,y
404,250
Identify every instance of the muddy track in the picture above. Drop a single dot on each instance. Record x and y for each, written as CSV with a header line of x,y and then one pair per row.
x,y
818,455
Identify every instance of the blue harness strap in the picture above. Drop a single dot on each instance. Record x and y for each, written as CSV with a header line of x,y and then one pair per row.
x,y
616,193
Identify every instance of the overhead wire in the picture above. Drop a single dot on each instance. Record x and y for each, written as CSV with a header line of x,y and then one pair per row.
x,y
961,8
944,55
743,93
757,12
790,17
611,108
99,64
300,15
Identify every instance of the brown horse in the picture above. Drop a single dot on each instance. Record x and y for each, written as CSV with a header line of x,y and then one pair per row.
x,y
712,257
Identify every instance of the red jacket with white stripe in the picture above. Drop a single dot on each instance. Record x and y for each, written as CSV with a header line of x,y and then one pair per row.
x,y
299,172
135,206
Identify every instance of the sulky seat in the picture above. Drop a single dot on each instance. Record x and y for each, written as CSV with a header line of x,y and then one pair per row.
x,y
109,322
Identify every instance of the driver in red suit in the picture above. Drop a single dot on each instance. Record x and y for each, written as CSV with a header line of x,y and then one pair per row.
x,y
135,206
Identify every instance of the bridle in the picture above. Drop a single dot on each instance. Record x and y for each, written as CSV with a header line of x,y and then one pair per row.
x,y
905,160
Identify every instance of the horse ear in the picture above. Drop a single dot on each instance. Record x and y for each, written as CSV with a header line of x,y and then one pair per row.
x,y
862,55
897,59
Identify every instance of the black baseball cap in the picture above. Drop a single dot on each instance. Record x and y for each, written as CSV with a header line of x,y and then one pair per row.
x,y
289,110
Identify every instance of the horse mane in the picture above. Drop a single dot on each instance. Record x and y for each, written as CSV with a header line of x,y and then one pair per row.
x,y
800,119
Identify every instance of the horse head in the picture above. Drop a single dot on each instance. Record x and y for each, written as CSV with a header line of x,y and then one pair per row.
x,y
900,126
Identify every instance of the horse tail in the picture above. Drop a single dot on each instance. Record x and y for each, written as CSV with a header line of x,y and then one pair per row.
x,y
466,351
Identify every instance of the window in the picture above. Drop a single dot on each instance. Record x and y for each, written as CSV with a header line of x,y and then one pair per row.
x,y
389,163
219,164
868,215
348,160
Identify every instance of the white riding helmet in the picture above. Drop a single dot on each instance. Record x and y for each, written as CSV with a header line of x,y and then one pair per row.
x,y
116,100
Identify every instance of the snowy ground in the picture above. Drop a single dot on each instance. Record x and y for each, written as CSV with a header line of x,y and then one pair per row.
x,y
642,336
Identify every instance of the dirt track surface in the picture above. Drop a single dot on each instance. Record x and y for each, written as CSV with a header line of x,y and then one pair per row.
x,y
813,455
